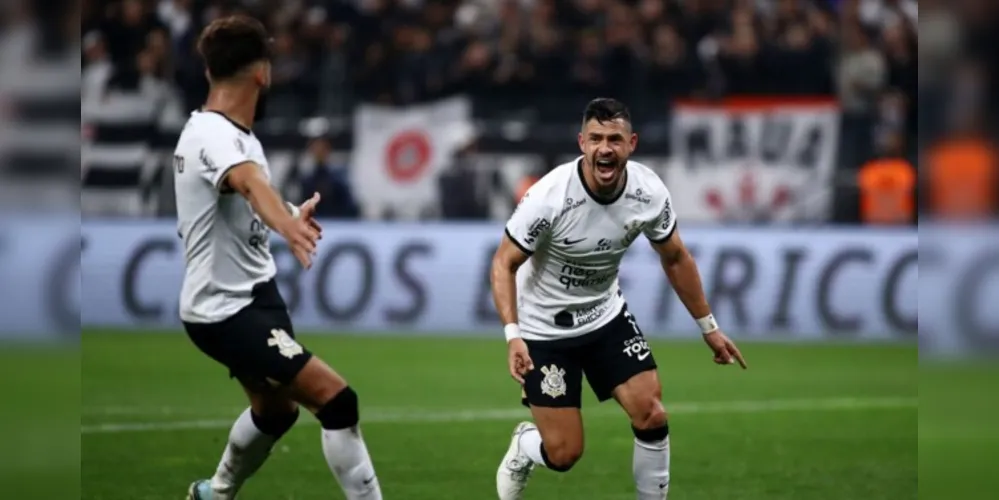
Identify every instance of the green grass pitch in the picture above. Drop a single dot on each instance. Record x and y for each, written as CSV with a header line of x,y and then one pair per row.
x,y
39,421
829,422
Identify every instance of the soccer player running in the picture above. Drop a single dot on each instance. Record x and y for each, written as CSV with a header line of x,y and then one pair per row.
x,y
230,305
555,284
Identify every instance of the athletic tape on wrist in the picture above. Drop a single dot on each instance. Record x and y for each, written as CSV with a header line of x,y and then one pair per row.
x,y
707,324
511,331
295,212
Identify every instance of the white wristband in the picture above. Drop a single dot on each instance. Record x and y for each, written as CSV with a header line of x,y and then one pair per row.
x,y
511,331
295,211
707,324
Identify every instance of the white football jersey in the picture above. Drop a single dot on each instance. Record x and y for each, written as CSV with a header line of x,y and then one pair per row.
x,y
569,286
226,244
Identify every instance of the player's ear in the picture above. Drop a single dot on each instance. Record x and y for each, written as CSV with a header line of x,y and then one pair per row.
x,y
262,75
634,141
579,139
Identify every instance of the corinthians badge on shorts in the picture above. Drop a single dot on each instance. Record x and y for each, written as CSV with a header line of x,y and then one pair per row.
x,y
284,343
554,382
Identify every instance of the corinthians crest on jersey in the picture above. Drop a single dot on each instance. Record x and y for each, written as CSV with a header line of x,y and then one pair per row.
x,y
576,241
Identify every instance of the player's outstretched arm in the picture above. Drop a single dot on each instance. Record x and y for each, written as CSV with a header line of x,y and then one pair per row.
x,y
681,270
503,279
247,180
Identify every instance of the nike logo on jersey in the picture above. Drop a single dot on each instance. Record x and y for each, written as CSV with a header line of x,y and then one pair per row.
x,y
642,356
569,242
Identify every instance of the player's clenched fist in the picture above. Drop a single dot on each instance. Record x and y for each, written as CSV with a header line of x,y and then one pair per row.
x,y
518,359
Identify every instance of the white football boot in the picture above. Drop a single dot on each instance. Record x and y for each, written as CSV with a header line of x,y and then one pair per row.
x,y
201,490
516,468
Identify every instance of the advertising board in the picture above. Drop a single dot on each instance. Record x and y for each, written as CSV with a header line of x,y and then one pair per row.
x,y
769,284
434,279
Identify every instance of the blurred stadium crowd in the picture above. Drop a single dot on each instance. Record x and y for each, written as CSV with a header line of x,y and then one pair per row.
x,y
39,94
902,105
528,54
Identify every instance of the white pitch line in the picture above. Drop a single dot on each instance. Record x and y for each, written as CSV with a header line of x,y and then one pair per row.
x,y
376,415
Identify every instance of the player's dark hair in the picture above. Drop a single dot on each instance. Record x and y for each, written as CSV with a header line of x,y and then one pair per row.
x,y
605,109
231,44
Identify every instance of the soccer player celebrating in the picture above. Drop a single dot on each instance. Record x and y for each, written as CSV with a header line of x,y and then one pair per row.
x,y
555,284
230,305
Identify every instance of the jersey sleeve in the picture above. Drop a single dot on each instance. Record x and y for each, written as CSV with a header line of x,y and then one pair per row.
x,y
662,227
531,221
218,155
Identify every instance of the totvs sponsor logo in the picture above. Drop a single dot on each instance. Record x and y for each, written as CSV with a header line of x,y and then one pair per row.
x,y
636,347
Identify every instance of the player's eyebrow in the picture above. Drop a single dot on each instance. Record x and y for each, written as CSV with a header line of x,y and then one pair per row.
x,y
615,135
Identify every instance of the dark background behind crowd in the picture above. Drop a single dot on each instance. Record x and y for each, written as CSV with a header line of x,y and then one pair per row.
x,y
536,60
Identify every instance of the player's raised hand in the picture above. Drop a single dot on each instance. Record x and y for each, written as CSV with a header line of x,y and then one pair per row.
x,y
518,359
308,213
725,350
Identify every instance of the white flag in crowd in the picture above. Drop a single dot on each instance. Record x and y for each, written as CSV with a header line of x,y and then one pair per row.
x,y
400,152
760,160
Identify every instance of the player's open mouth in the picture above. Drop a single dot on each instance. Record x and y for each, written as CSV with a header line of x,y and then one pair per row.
x,y
606,168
